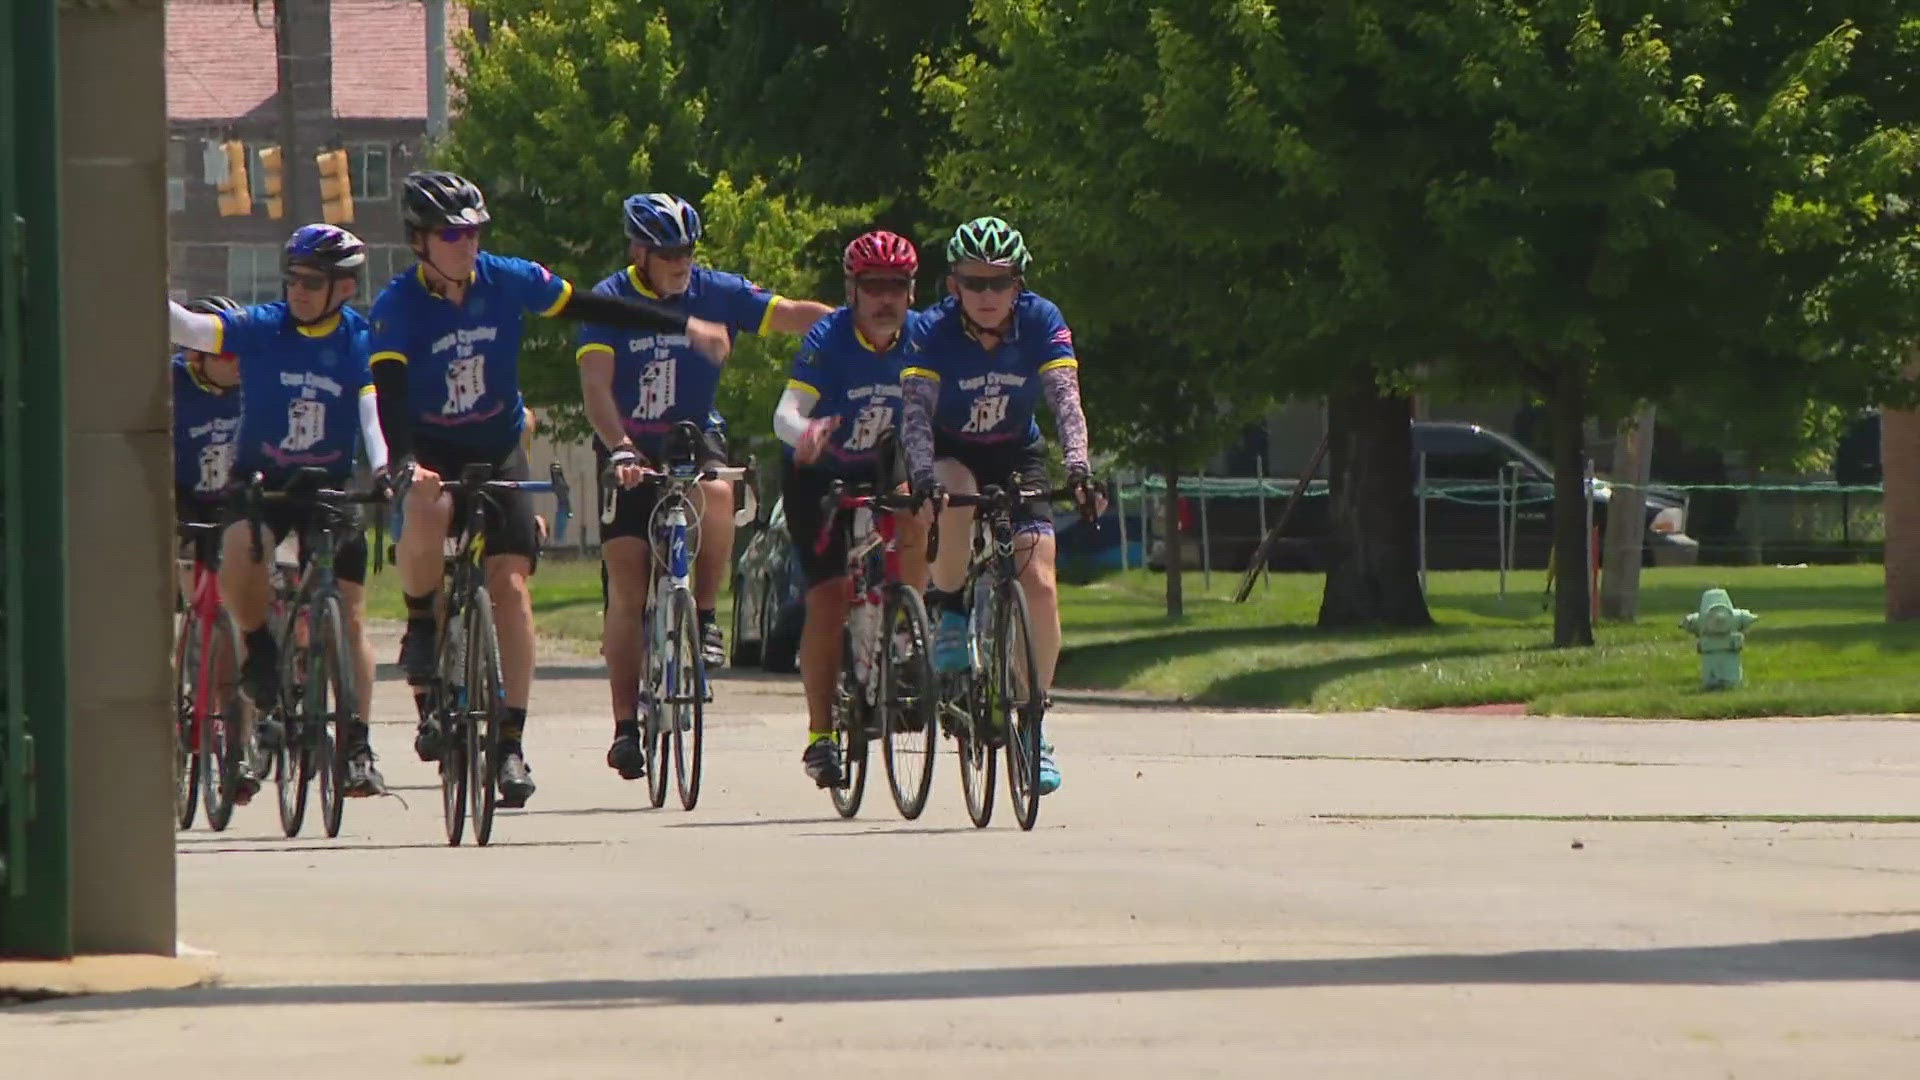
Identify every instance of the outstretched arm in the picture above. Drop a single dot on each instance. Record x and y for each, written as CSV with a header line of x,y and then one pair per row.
x,y
1061,384
921,389
194,330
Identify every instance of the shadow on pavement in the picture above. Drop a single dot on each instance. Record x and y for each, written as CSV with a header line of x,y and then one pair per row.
x,y
1872,958
294,847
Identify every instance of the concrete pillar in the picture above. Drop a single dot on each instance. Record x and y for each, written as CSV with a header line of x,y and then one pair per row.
x,y
113,127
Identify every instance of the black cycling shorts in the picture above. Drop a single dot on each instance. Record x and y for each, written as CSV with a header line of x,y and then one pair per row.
x,y
279,519
801,489
633,508
510,527
1003,464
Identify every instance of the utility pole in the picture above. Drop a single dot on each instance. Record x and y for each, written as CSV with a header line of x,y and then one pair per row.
x,y
303,38
436,69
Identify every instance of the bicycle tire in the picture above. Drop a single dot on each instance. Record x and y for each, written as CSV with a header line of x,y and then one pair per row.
x,y
186,754
909,700
485,704
453,769
687,686
333,679
978,765
293,764
653,729
222,751
849,733
1017,705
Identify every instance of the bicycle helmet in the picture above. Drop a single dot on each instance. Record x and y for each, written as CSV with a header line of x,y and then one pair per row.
x,y
662,220
991,241
432,199
326,247
212,305
882,251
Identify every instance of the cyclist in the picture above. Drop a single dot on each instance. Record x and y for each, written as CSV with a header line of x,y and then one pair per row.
x,y
637,387
306,401
979,363
446,345
840,406
206,414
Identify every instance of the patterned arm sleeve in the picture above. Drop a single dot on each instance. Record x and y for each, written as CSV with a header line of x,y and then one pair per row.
x,y
1061,384
921,393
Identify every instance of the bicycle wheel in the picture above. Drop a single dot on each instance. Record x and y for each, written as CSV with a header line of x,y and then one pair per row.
x,y
486,701
293,763
978,764
223,747
908,700
186,756
849,732
686,693
330,689
1016,708
654,736
453,764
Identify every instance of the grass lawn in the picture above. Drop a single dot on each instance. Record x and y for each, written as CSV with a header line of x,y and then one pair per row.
x,y
1821,646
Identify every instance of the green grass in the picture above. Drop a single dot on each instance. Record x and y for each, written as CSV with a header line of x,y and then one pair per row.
x,y
1821,646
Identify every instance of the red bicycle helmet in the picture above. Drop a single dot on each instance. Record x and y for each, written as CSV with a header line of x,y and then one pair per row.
x,y
883,251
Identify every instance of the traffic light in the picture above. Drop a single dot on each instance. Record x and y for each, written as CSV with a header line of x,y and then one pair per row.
x,y
270,180
235,199
336,190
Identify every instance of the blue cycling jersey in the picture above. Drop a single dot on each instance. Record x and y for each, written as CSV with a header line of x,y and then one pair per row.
x,y
463,360
659,379
855,381
300,389
205,421
990,397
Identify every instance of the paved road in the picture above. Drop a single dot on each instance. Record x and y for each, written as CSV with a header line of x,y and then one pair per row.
x,y
1211,894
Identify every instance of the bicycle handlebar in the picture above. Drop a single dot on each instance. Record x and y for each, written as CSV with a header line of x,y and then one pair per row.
x,y
730,473
477,479
253,495
836,500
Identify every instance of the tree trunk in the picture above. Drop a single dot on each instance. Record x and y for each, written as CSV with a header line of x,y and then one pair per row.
x,y
1176,598
1572,595
1900,477
1373,578
1626,517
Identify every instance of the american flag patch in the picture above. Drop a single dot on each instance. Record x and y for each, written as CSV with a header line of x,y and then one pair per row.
x,y
1062,336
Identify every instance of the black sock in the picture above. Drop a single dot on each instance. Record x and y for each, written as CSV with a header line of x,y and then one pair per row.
x,y
708,615
938,601
261,641
420,608
623,729
514,727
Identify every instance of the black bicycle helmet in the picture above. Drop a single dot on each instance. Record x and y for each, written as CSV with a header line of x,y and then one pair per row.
x,y
212,305
432,199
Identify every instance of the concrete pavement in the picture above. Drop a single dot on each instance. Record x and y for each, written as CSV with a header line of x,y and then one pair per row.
x,y
1210,894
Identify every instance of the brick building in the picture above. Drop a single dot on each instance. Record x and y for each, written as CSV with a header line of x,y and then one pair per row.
x,y
222,80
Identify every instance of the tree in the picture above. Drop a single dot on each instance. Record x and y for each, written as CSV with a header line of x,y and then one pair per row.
x,y
568,107
1592,202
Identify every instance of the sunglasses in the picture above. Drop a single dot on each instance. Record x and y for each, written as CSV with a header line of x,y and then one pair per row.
x,y
673,254
987,282
883,287
307,282
453,234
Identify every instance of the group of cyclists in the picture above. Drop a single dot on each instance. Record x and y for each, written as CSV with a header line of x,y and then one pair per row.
x,y
427,387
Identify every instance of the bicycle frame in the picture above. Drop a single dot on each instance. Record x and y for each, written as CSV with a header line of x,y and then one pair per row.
x,y
204,607
882,533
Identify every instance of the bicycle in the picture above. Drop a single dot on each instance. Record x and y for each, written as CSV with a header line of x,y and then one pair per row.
x,y
994,703
317,690
676,676
465,700
208,741
886,692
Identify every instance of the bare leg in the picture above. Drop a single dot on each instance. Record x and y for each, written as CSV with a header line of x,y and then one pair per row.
x,y
1038,580
820,650
622,642
513,623
716,542
950,565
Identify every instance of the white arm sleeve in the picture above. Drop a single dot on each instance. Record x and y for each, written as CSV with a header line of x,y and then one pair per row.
x,y
370,432
792,415
193,330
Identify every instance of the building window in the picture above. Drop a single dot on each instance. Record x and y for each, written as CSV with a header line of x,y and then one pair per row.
x,y
367,164
176,175
253,272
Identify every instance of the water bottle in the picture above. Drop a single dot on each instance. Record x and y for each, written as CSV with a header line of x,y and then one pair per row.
x,y
457,651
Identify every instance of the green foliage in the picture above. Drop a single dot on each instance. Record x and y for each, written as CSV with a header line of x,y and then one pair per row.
x,y
569,107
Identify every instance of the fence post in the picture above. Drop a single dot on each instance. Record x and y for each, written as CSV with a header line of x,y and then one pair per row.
x,y
1120,512
1259,550
1420,487
1206,538
1500,527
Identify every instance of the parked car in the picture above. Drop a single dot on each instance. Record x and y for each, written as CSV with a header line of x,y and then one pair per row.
x,y
769,591
1463,463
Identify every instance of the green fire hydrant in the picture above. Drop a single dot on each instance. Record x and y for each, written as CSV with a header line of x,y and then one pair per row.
x,y
1717,628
